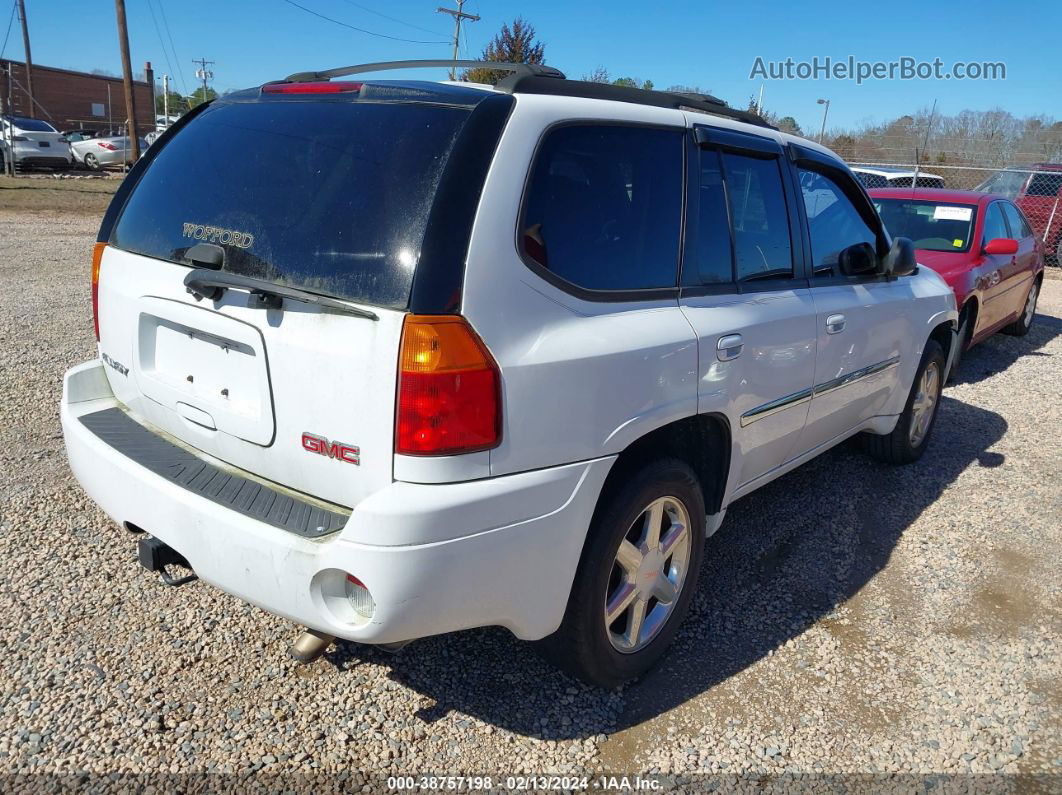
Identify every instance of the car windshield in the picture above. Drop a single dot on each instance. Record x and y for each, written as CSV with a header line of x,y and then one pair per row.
x,y
331,197
931,226
1005,183
31,125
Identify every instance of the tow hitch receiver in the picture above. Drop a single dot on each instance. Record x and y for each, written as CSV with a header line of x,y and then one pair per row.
x,y
156,556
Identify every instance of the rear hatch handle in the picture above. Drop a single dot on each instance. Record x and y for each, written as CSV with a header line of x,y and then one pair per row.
x,y
212,284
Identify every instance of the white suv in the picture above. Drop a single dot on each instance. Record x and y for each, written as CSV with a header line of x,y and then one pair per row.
x,y
392,359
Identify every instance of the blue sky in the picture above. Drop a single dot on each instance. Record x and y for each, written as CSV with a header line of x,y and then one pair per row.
x,y
713,45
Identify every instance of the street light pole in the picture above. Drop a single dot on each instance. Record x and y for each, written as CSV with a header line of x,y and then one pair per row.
x,y
825,110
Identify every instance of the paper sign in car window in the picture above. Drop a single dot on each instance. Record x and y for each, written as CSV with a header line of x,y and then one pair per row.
x,y
944,213
957,243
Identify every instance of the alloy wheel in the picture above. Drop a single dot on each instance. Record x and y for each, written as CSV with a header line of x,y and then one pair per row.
x,y
924,404
648,574
1030,305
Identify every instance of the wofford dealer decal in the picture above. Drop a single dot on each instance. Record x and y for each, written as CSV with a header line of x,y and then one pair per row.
x,y
217,234
338,450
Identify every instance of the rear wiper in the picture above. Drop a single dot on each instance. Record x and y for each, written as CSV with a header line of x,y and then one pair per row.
x,y
212,284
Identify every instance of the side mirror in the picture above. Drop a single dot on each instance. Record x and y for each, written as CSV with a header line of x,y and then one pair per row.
x,y
857,260
1001,245
900,261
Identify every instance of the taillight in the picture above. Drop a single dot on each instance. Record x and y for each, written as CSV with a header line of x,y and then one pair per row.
x,y
328,87
105,145
448,389
97,258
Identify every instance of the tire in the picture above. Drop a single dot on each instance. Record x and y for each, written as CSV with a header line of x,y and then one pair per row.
x,y
1021,326
904,445
92,163
966,327
607,654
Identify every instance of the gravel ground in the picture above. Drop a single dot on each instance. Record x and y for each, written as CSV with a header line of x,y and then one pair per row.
x,y
852,619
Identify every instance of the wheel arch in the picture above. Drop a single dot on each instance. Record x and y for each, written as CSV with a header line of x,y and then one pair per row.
x,y
703,441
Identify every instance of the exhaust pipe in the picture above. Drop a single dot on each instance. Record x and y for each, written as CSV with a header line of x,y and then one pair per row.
x,y
310,645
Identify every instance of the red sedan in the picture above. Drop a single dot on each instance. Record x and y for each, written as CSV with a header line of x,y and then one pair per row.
x,y
981,244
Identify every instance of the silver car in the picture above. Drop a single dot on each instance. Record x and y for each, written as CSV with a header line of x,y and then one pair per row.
x,y
34,142
96,153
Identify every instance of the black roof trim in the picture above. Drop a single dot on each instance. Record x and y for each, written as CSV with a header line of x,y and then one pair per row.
x,y
385,66
705,103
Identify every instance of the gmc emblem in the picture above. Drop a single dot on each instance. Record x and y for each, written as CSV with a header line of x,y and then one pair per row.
x,y
337,450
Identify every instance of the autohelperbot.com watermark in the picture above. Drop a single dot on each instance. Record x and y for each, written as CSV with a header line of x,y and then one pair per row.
x,y
851,68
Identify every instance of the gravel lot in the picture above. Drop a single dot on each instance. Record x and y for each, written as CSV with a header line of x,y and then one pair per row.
x,y
852,619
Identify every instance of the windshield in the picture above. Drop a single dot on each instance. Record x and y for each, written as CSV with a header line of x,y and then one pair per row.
x,y
31,125
1005,183
931,226
331,197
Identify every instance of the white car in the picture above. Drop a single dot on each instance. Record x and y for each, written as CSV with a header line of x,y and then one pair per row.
x,y
35,143
888,177
471,356
97,153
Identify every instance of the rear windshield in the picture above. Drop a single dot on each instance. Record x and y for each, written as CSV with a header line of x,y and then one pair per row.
x,y
331,197
31,125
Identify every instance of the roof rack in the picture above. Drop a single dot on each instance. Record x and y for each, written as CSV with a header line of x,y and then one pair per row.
x,y
523,69
531,78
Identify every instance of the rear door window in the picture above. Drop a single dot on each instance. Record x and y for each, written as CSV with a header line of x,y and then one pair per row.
x,y
1018,227
603,209
331,197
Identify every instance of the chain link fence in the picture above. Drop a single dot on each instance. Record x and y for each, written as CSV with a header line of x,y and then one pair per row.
x,y
1036,189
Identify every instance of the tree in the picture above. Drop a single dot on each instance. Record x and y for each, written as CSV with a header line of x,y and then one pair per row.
x,y
633,82
513,44
789,125
599,75
178,104
199,96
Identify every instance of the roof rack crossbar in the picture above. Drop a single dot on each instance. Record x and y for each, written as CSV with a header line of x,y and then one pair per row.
x,y
529,69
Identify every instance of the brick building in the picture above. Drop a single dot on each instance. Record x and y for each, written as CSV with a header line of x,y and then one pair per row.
x,y
75,100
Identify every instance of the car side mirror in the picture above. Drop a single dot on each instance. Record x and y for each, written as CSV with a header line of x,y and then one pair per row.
x,y
1001,245
900,261
857,260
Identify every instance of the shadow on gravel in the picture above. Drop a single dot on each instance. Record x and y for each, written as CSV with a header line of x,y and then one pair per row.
x,y
1000,351
783,559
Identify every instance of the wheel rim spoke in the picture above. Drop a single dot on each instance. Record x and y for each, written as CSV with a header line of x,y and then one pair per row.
x,y
620,601
629,556
654,517
664,590
675,535
635,622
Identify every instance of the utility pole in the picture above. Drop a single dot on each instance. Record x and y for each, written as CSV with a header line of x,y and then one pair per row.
x,y
29,58
127,79
166,98
458,15
203,73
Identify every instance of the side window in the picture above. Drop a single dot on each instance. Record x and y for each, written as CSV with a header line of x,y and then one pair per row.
x,y
1019,227
709,253
833,221
759,217
995,226
603,208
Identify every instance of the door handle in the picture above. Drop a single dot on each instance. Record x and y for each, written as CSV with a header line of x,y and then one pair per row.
x,y
729,347
835,324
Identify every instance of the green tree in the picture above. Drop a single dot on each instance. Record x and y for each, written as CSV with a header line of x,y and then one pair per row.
x,y
515,43
178,104
199,96
789,125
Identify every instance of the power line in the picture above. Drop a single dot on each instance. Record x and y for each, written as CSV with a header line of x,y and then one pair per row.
x,y
158,32
393,19
360,30
166,25
10,22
